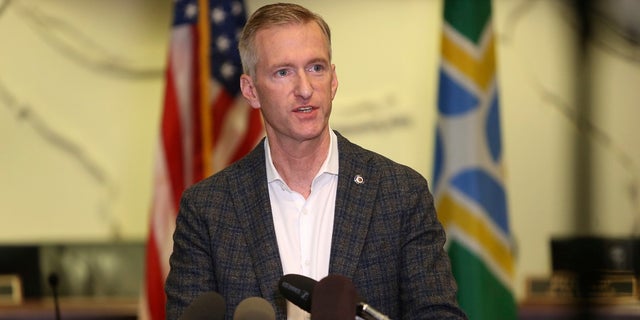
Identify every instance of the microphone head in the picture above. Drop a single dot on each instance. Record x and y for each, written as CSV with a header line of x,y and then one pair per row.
x,y
53,279
334,298
297,289
208,306
254,308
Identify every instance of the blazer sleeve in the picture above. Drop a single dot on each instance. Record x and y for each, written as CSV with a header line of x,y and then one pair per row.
x,y
427,287
190,263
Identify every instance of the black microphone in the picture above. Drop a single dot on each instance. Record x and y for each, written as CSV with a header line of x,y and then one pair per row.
x,y
297,289
334,298
53,282
254,308
208,306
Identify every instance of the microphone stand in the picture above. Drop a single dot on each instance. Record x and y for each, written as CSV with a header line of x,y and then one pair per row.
x,y
53,282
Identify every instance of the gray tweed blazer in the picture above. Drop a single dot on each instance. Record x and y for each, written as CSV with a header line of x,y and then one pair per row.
x,y
386,238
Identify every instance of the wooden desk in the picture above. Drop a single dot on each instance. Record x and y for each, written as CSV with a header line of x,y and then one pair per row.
x,y
73,309
127,309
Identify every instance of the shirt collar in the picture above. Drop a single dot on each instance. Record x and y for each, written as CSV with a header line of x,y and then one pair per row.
x,y
330,164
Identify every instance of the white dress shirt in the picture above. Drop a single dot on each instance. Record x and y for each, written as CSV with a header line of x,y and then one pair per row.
x,y
304,226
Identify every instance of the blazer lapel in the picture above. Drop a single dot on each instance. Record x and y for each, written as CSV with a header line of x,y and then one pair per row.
x,y
357,187
254,216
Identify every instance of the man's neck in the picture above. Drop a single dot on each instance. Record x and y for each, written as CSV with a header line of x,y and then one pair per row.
x,y
298,163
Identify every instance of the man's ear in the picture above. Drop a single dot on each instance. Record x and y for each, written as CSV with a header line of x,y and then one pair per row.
x,y
249,91
334,81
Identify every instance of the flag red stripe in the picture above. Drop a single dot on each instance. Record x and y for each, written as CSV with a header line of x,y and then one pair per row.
x,y
172,139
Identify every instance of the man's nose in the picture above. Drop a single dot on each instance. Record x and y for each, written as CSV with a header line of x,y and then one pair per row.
x,y
304,87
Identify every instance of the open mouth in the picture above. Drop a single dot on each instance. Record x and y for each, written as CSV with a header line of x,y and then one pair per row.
x,y
304,109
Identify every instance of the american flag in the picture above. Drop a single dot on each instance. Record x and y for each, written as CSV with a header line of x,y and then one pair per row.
x,y
206,124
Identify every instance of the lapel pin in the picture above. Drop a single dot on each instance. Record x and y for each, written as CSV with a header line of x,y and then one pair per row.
x,y
358,179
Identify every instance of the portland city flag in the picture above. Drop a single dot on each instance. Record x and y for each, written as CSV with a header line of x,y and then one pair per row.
x,y
468,179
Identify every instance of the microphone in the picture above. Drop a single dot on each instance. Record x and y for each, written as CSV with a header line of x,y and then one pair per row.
x,y
344,290
334,298
254,308
367,312
297,289
208,306
53,282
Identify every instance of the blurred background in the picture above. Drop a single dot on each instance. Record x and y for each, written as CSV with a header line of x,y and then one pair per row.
x,y
82,85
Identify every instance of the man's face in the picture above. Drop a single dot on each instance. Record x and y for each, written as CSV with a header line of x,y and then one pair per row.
x,y
294,82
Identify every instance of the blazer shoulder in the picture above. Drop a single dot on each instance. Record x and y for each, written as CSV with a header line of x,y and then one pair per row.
x,y
245,171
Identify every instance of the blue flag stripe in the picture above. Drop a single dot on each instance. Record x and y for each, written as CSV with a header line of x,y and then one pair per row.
x,y
486,192
453,98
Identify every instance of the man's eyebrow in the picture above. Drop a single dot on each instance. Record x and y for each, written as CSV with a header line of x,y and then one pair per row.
x,y
319,60
278,66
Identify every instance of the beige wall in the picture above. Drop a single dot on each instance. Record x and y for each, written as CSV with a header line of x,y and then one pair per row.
x,y
81,89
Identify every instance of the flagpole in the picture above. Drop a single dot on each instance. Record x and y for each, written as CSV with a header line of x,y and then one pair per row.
x,y
204,78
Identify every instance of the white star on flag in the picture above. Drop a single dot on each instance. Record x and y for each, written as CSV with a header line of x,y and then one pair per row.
x,y
223,43
218,15
191,10
227,70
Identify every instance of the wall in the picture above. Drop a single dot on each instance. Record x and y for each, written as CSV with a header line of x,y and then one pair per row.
x,y
81,86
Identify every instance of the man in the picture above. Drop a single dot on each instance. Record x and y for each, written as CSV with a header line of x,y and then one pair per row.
x,y
306,200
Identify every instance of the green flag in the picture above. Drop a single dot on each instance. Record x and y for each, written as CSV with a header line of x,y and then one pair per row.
x,y
469,188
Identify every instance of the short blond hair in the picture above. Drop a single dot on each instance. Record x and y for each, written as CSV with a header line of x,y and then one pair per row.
x,y
271,15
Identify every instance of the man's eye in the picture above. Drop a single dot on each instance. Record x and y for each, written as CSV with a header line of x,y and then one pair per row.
x,y
317,68
281,73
